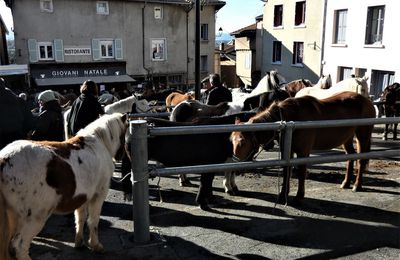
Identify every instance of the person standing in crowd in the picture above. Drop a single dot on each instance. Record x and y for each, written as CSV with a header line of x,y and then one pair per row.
x,y
50,122
217,93
15,118
85,109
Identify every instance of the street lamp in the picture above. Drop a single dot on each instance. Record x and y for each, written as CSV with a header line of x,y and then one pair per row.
x,y
219,34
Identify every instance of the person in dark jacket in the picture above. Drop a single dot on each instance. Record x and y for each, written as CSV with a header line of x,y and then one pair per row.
x,y
15,118
50,121
85,109
217,93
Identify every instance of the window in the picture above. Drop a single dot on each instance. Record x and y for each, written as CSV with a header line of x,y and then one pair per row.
x,y
46,6
379,80
345,73
298,49
158,50
276,52
278,12
158,12
204,32
340,26
102,7
204,63
247,61
300,16
374,30
45,50
107,49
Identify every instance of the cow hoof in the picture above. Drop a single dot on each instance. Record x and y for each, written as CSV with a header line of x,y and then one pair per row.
x,y
204,206
345,185
185,183
98,248
230,192
357,188
384,138
79,243
235,190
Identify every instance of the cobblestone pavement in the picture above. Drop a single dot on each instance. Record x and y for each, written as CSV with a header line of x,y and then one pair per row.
x,y
331,223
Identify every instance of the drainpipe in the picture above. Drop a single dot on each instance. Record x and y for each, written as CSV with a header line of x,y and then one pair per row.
x,y
143,41
197,52
323,39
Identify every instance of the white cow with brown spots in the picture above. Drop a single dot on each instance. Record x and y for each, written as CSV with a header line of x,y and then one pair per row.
x,y
38,179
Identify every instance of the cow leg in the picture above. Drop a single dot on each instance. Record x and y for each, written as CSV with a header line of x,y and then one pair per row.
x,y
204,194
94,208
80,219
283,195
301,175
126,183
349,149
363,146
184,181
227,183
26,230
385,132
395,131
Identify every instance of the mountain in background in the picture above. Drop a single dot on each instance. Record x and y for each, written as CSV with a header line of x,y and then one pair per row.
x,y
225,37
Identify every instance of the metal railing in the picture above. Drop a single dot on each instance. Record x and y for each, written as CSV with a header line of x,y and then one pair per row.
x,y
140,131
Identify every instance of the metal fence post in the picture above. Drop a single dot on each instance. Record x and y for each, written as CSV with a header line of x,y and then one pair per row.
x,y
140,186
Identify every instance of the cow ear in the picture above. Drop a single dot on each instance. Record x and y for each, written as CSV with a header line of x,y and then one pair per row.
x,y
124,117
237,121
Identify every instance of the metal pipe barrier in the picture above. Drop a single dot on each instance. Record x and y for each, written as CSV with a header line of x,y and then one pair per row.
x,y
140,131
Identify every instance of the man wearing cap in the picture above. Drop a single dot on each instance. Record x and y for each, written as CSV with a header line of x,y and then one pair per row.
x,y
15,118
50,124
217,93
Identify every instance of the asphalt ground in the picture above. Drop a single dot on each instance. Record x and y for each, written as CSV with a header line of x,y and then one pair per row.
x,y
332,223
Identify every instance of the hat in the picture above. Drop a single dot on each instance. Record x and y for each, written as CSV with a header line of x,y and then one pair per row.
x,y
46,96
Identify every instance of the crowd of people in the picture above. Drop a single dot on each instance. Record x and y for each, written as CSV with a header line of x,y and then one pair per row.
x,y
17,121
22,118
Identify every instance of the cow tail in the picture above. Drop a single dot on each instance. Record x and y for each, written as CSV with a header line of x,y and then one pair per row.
x,y
5,235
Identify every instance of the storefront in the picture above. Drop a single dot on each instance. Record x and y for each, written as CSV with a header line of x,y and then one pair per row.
x,y
63,76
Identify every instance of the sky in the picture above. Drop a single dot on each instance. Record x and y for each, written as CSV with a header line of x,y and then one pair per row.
x,y
237,14
234,15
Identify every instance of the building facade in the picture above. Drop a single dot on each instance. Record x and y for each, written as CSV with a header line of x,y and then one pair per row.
x,y
112,42
361,40
293,38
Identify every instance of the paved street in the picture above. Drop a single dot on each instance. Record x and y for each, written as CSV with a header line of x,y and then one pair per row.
x,y
331,223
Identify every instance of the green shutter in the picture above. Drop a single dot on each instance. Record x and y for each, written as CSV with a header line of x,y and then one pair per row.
x,y
96,49
59,50
33,51
118,49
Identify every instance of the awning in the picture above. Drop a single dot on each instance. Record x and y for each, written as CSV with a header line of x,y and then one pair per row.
x,y
80,80
8,70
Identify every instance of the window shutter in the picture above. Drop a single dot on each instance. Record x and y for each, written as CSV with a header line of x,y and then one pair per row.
x,y
59,49
96,49
33,51
118,49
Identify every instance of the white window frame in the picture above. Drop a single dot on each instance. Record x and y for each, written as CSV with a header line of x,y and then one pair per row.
x,y
158,49
340,26
276,53
105,45
46,6
158,13
102,7
374,27
247,60
298,53
204,32
46,46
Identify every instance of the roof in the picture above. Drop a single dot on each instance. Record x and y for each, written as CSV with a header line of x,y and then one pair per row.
x,y
245,31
